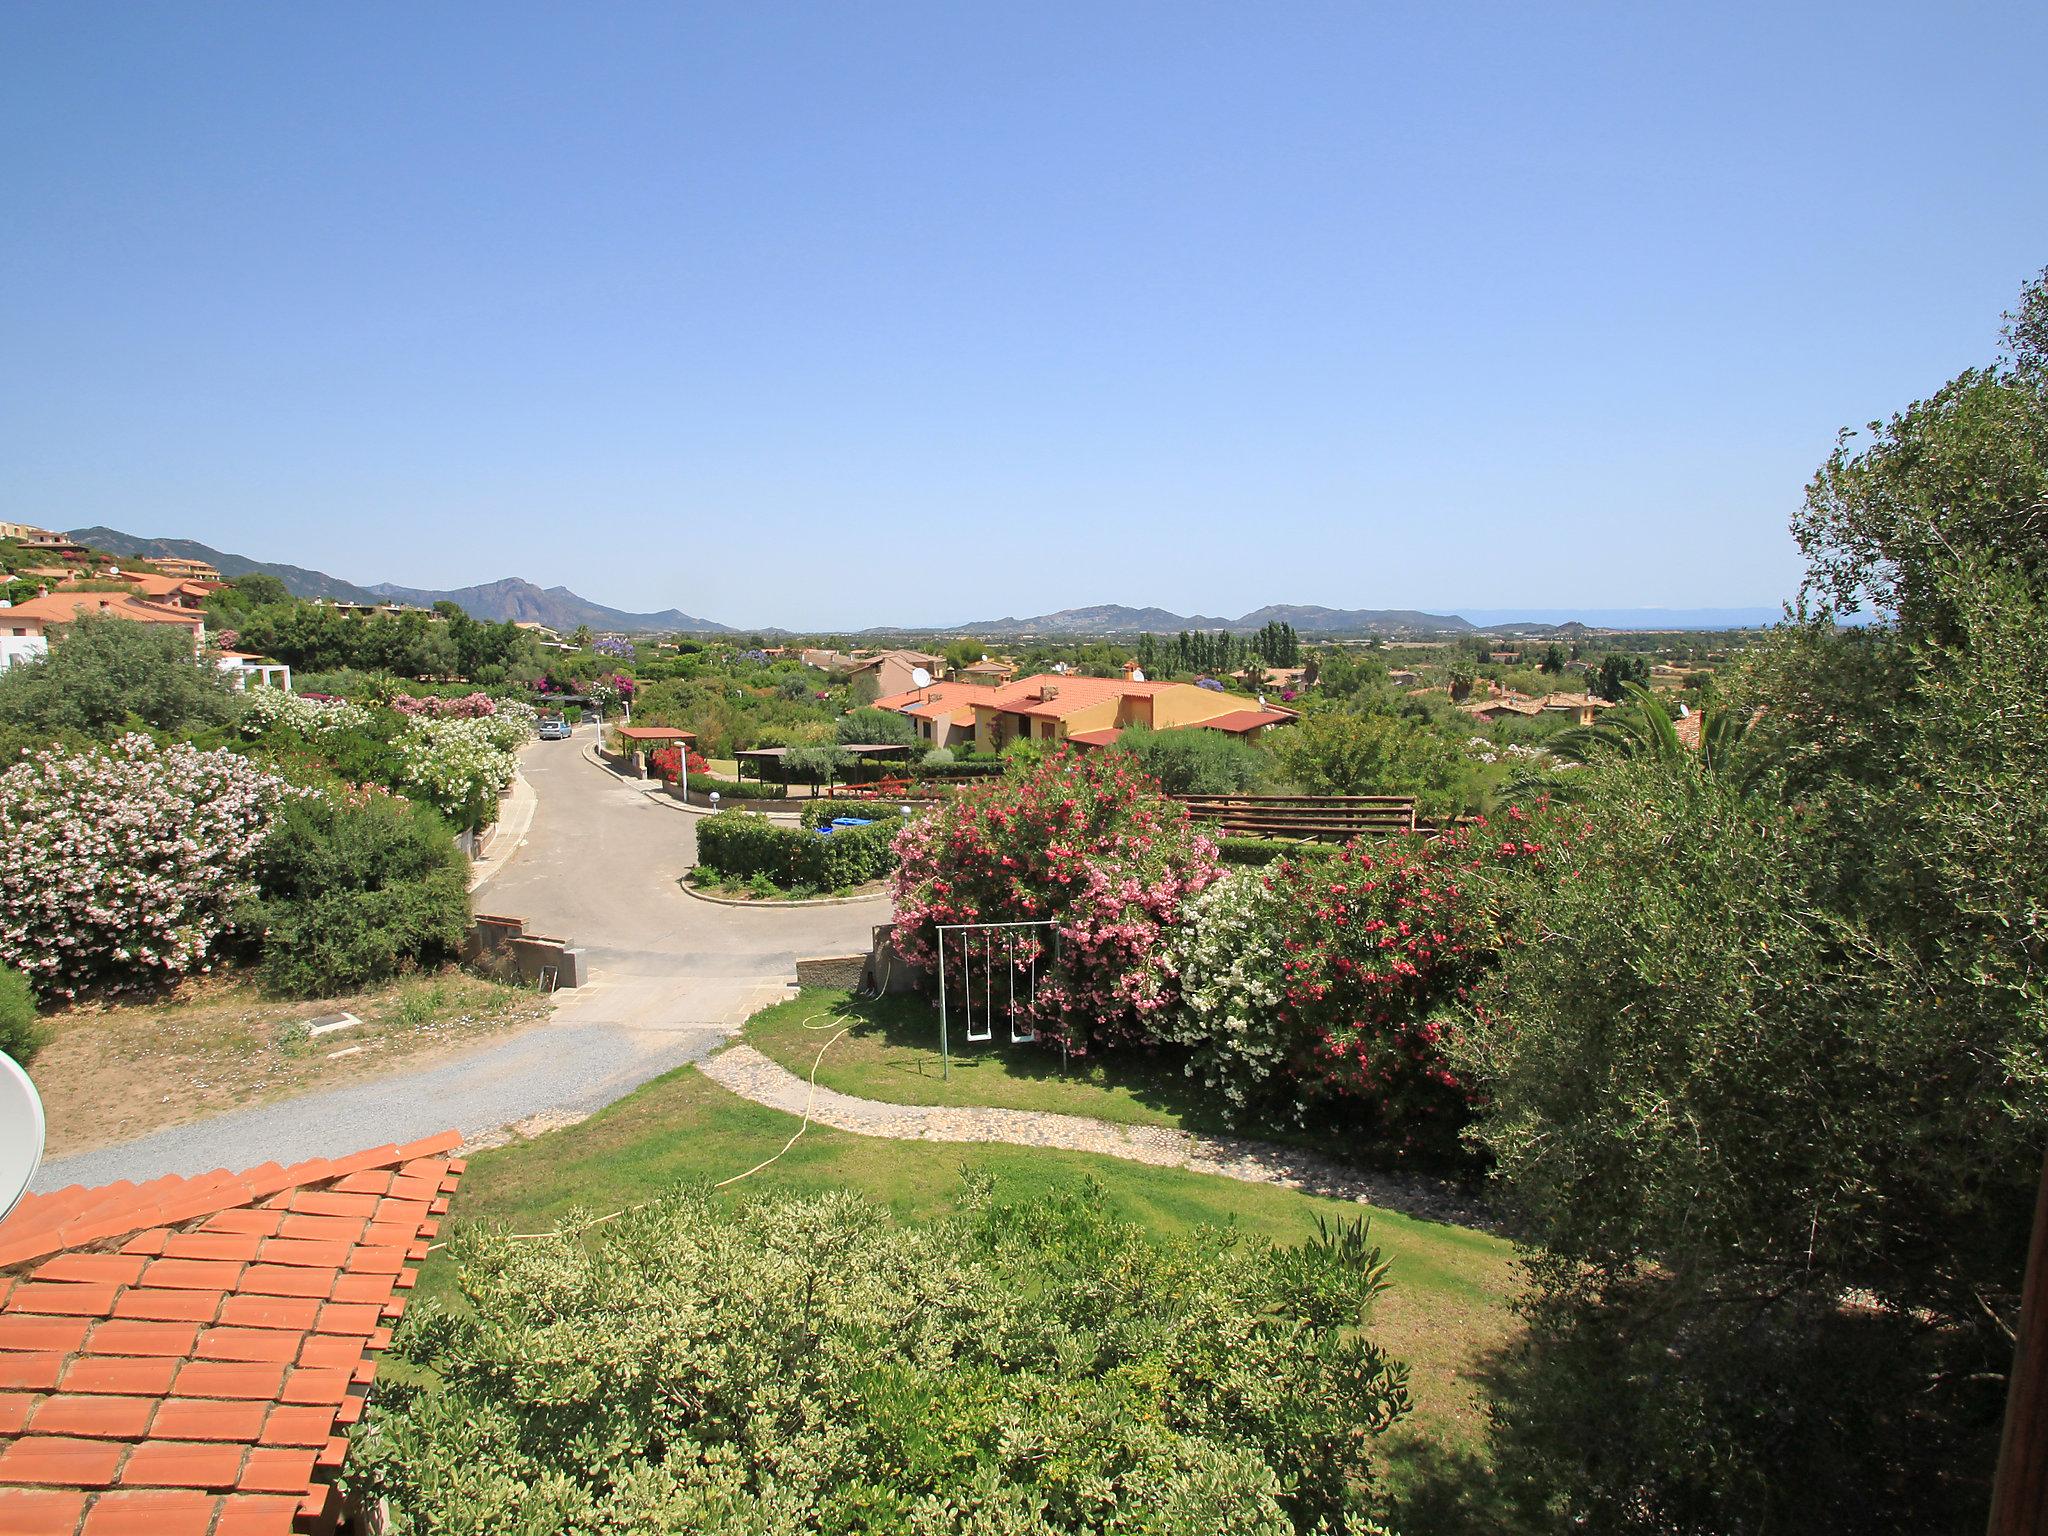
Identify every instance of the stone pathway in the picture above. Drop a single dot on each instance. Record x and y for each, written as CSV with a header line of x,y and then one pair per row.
x,y
751,1075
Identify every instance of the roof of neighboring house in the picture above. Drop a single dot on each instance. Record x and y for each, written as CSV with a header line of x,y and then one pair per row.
x,y
1071,694
655,733
941,701
185,1356
1574,701
908,658
1239,721
1103,738
65,607
990,669
1503,707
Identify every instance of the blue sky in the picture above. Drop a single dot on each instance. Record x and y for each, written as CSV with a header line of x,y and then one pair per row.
x,y
827,315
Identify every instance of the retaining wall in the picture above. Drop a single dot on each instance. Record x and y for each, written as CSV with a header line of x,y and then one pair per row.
x,y
501,947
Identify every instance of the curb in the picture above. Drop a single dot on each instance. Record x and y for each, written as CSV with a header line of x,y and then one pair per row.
x,y
777,906
653,790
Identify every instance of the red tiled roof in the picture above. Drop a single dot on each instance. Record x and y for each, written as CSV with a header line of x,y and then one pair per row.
x,y
1102,738
182,1357
1071,694
655,733
1238,721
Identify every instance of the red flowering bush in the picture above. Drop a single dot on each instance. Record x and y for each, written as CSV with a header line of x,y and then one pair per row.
x,y
669,762
1327,989
1086,841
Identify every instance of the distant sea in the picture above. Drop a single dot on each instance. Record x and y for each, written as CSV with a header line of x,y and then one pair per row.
x,y
1627,618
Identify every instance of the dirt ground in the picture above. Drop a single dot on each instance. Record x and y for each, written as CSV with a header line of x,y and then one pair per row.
x,y
112,1073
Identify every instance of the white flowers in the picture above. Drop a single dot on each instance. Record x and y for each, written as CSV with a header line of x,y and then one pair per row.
x,y
268,709
123,862
462,765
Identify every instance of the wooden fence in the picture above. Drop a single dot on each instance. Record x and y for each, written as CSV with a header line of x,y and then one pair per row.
x,y
1328,818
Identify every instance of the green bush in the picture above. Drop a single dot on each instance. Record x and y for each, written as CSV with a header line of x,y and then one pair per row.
x,y
739,844
875,727
1264,850
1195,761
806,1364
354,891
737,789
108,672
21,1035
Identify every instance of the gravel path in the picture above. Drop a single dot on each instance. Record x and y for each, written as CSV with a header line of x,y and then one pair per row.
x,y
751,1075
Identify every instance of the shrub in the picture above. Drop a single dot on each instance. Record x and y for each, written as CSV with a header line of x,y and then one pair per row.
x,y
124,862
1082,840
938,757
737,843
1195,761
1255,851
354,890
21,1036
814,764
807,1364
463,765
269,709
1327,988
875,727
103,673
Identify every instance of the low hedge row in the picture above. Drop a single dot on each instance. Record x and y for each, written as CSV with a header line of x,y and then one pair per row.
x,y
736,789
737,843
1265,850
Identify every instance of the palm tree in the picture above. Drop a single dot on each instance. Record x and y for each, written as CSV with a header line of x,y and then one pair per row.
x,y
1646,732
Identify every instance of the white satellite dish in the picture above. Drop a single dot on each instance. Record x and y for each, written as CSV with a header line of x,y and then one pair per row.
x,y
1137,674
919,678
1060,667
21,1133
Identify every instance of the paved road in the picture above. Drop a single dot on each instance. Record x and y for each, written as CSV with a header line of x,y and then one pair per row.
x,y
671,978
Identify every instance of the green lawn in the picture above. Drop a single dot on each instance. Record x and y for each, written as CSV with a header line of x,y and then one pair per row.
x,y
1448,1305
892,1053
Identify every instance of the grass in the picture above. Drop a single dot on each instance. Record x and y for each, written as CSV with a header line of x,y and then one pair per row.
x,y
1447,1310
111,1073
892,1053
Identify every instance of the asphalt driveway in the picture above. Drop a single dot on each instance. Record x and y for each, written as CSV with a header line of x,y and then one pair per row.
x,y
671,978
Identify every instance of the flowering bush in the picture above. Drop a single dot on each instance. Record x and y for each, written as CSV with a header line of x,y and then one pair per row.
x,y
670,762
463,765
1086,841
268,709
469,707
123,862
607,691
618,650
1330,986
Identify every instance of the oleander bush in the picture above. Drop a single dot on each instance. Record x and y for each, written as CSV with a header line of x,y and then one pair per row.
x,y
353,889
270,709
1087,842
461,765
1328,990
125,862
806,1364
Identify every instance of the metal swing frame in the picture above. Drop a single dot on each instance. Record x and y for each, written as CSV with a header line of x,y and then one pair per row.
x,y
983,1030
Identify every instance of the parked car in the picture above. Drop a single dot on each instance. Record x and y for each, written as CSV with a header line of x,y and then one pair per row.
x,y
554,728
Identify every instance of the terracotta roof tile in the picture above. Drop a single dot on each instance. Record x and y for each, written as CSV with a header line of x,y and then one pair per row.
x,y
199,1380
151,1512
42,1511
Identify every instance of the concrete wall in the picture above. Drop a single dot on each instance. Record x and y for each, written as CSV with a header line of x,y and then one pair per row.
x,y
844,971
501,947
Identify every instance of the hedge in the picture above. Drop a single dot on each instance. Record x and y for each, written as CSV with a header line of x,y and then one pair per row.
x,y
1265,850
736,789
737,843
817,813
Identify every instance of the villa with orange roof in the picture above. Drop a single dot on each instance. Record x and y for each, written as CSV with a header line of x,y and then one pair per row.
x,y
1094,711
942,713
25,627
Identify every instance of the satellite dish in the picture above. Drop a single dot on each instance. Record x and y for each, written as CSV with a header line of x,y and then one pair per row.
x,y
1684,712
21,1133
1137,674
919,678
1060,667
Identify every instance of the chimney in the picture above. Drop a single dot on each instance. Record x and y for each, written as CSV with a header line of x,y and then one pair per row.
x,y
1048,692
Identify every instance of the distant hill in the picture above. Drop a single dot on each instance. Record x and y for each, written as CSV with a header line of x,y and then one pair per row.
x,y
556,607
297,580
512,598
1115,619
1538,619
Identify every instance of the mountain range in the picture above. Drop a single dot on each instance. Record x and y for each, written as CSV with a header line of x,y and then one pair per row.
x,y
561,609
495,602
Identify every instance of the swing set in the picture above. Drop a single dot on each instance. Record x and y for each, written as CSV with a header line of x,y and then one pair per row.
x,y
1020,952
